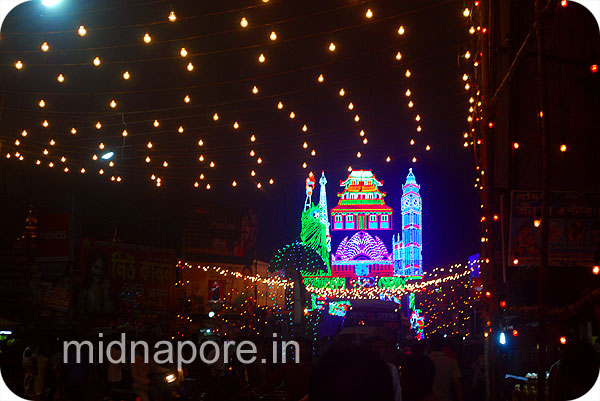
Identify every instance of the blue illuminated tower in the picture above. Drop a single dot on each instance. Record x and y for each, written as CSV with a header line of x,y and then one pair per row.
x,y
412,261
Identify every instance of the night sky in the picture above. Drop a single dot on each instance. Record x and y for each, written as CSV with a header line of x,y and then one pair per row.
x,y
226,64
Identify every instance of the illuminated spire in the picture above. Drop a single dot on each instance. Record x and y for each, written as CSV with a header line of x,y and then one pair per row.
x,y
323,206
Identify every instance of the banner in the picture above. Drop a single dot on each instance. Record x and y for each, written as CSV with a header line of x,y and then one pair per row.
x,y
125,279
573,233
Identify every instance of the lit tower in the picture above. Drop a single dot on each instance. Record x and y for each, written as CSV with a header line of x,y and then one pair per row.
x,y
323,206
412,261
310,186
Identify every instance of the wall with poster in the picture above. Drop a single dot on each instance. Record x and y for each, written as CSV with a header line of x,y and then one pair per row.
x,y
574,232
125,280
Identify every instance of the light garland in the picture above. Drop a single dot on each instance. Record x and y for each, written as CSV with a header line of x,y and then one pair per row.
x,y
269,281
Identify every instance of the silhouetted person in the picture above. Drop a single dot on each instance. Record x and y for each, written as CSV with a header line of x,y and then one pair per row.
x,y
447,373
418,374
574,374
379,346
351,374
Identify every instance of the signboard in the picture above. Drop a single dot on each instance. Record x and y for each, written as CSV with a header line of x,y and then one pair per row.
x,y
126,279
54,298
54,236
573,231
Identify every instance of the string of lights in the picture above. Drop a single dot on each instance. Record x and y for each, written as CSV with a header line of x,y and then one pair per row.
x,y
270,281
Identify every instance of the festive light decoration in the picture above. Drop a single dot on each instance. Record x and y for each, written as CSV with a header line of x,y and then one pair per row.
x,y
270,281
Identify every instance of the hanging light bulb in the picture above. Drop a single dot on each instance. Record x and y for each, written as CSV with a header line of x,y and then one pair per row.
x,y
124,133
19,64
427,148
234,184
401,30
465,77
243,22
261,58
407,74
212,164
358,154
94,157
252,152
407,93
186,99
96,61
200,142
369,14
342,92
313,152
273,36
362,132
82,31
236,125
259,160
42,103
45,47
172,17
356,118
60,78
24,133
190,66
292,115
165,164
111,164
271,181
305,145
466,12
126,75
332,47
414,159
304,128
419,128
350,106
149,145
280,105
252,173
17,142
472,30
52,142
410,104
320,78
563,147
304,165
252,138
147,38
398,56
255,89
113,104
259,185
215,117
201,158
467,54
365,141
388,159
45,152
45,123
82,171
101,146
98,125
147,159
156,123
412,142
180,129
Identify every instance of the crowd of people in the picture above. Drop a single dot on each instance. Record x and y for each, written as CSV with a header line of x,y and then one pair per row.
x,y
333,369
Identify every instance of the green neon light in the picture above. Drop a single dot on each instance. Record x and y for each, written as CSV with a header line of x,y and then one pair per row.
x,y
333,283
392,282
314,234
